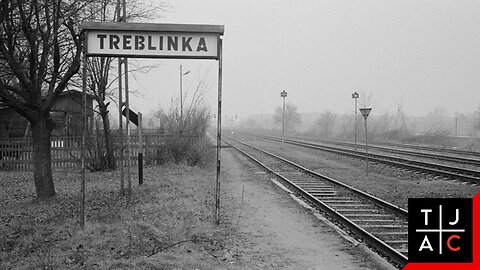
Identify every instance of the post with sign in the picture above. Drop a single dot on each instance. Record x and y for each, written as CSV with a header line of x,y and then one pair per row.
x,y
283,94
140,149
120,106
365,112
355,96
144,40
127,107
219,134
136,119
128,155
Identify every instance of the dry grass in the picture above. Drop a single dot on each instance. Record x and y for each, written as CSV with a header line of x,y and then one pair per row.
x,y
168,225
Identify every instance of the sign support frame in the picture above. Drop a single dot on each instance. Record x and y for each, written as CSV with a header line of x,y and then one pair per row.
x,y
219,133
127,126
120,125
365,112
217,30
84,132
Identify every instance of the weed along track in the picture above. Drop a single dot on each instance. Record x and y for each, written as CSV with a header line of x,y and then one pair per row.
x,y
381,225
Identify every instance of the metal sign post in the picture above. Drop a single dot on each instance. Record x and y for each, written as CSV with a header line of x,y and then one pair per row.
x,y
365,112
181,95
283,94
355,96
84,135
219,135
140,149
143,40
120,126
136,119
120,106
127,127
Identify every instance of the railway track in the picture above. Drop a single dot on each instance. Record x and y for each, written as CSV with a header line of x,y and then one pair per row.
x,y
435,149
432,154
442,170
381,225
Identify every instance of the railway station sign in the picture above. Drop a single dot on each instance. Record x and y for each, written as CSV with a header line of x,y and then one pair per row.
x,y
153,40
147,40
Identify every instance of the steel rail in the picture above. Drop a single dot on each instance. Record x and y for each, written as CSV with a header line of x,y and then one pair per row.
x,y
435,149
369,238
414,146
463,160
382,203
472,176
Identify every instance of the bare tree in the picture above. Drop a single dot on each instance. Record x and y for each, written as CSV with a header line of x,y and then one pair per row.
x,y
404,120
476,123
99,71
437,122
100,80
193,112
41,48
292,117
186,133
326,123
382,124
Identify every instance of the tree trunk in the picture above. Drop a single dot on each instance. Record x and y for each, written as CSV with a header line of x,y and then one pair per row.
x,y
108,140
42,157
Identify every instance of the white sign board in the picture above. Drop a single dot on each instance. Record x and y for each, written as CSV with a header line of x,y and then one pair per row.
x,y
153,41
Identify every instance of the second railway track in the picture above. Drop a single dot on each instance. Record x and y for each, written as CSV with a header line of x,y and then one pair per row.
x,y
450,172
382,225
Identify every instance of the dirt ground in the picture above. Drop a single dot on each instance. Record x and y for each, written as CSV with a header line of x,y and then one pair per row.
x,y
169,224
278,233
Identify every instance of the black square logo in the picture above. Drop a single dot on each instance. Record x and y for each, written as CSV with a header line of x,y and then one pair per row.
x,y
440,230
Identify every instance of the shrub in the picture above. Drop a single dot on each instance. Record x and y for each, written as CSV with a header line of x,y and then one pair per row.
x,y
186,141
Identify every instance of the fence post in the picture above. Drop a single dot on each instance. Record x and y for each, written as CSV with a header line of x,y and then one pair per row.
x,y
147,154
140,150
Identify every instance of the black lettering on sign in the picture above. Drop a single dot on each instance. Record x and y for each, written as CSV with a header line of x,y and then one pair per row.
x,y
186,43
102,38
202,45
150,46
161,43
126,42
172,43
139,42
114,40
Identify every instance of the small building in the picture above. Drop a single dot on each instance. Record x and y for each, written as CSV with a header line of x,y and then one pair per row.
x,y
66,113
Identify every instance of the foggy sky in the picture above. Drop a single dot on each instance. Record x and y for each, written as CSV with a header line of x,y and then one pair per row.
x,y
411,53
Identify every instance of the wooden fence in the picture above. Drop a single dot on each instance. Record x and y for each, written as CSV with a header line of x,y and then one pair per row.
x,y
17,154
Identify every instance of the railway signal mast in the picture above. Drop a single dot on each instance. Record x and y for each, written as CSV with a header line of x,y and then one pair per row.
x,y
283,94
365,112
355,96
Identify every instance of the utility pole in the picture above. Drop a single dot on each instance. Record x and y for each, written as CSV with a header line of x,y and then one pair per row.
x,y
121,17
355,96
283,94
127,107
120,106
84,135
365,112
181,94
